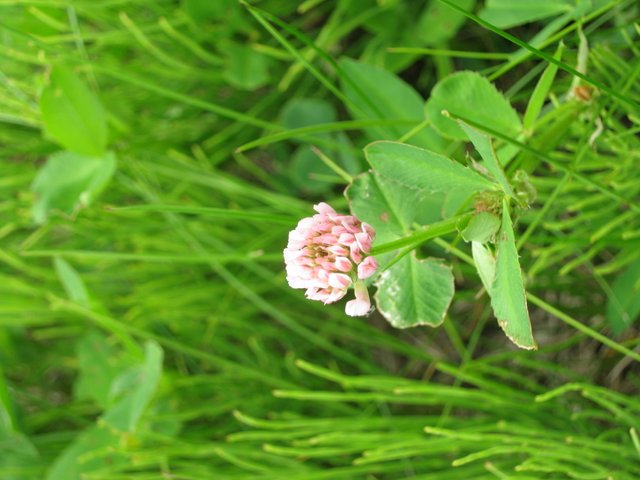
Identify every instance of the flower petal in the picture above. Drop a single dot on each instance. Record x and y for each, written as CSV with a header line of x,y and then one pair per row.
x,y
324,209
367,268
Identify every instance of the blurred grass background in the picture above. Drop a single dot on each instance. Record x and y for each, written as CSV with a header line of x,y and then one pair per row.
x,y
152,333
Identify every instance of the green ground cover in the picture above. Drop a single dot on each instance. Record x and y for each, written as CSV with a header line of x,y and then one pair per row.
x,y
154,156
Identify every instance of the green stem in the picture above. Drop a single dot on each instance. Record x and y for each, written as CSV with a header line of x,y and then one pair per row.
x,y
419,237
451,53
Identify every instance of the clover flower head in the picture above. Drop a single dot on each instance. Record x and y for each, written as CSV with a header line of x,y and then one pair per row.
x,y
327,254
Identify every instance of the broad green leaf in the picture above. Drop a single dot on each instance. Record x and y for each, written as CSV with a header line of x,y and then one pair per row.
x,y
393,24
455,202
305,112
69,181
375,93
473,97
485,264
413,168
507,292
388,209
72,115
100,364
246,68
481,228
305,168
345,154
383,206
430,209
511,13
623,308
439,22
71,281
415,292
484,146
133,390
308,172
391,16
76,459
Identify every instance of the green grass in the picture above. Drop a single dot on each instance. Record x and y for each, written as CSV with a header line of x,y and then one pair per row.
x,y
152,334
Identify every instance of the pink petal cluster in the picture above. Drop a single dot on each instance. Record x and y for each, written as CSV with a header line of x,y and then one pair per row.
x,y
327,254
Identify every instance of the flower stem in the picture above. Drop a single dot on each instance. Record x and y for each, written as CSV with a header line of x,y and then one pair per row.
x,y
417,238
